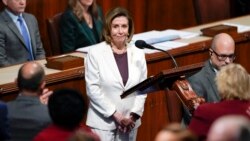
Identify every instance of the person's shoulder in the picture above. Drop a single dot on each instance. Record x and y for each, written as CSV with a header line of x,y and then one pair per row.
x,y
197,75
4,17
25,14
134,48
99,9
68,13
100,47
30,17
45,133
2,105
10,103
100,14
200,73
69,16
207,107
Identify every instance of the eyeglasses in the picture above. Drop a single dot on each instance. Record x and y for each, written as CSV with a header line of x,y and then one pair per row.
x,y
223,57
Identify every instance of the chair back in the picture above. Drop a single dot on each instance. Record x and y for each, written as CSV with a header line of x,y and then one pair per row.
x,y
211,10
54,34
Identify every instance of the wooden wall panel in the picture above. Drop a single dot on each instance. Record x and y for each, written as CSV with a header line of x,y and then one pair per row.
x,y
169,14
44,9
157,14
147,14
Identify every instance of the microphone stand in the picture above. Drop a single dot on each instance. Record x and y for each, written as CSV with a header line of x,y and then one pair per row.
x,y
175,63
142,44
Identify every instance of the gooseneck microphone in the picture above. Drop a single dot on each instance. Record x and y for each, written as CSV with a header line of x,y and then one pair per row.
x,y
142,44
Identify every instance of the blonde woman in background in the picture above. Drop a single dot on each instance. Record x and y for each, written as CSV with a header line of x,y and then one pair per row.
x,y
233,85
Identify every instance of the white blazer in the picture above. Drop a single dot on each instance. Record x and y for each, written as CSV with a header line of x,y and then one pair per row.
x,y
104,85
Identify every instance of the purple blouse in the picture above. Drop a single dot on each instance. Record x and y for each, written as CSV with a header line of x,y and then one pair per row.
x,y
122,63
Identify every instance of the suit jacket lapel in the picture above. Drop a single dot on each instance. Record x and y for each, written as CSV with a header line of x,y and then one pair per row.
x,y
13,27
130,56
110,59
88,33
210,76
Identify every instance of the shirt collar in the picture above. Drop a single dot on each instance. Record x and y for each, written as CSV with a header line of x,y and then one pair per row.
x,y
214,69
13,16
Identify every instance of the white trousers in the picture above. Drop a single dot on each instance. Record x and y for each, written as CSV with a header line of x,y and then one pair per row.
x,y
115,135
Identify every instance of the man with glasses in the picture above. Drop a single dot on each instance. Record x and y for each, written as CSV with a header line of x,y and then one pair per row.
x,y
222,52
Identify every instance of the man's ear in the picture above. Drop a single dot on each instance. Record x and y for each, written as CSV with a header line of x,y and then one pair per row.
x,y
210,52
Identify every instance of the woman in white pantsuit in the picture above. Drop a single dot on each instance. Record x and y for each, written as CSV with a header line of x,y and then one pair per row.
x,y
111,68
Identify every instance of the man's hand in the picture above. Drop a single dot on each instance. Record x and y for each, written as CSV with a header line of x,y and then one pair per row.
x,y
44,97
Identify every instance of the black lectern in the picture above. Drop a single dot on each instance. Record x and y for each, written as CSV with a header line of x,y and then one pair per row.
x,y
172,79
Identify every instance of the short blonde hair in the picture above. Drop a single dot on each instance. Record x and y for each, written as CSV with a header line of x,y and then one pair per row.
x,y
233,82
110,16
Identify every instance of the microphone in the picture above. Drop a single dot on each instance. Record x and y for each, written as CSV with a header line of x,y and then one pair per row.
x,y
142,44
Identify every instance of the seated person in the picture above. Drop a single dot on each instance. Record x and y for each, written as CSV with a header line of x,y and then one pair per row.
x,y
81,25
67,109
230,128
233,83
27,115
4,127
174,132
80,135
222,52
19,35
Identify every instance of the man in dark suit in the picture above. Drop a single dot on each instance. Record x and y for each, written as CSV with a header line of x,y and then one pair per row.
x,y
27,115
19,35
221,53
4,127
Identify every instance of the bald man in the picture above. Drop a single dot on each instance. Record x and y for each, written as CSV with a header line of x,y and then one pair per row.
x,y
222,52
230,128
175,132
27,115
